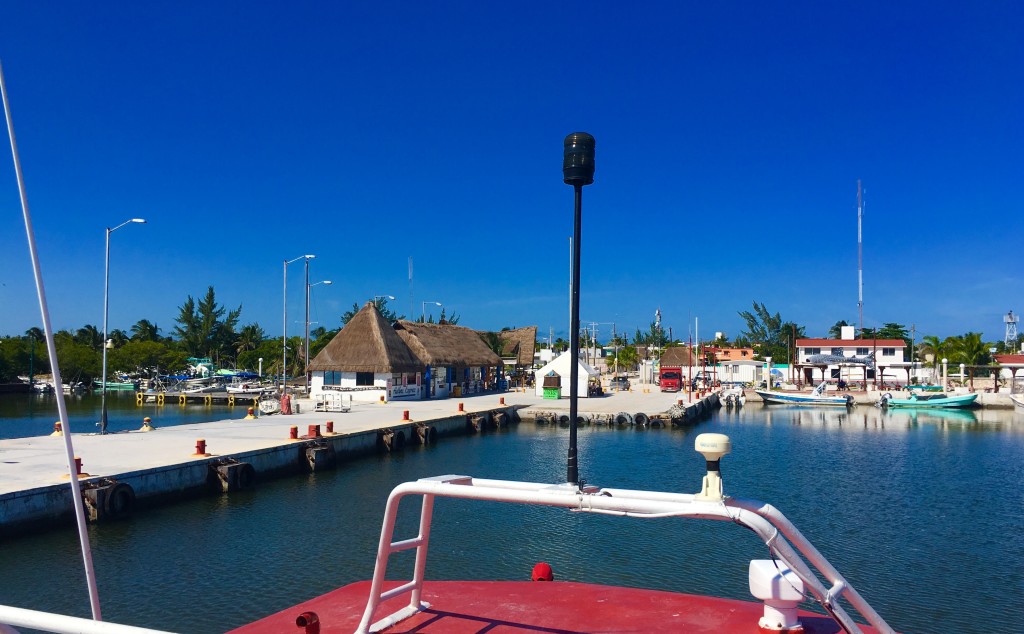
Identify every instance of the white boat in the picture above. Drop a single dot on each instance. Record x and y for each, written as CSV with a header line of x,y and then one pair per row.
x,y
817,397
1018,401
249,389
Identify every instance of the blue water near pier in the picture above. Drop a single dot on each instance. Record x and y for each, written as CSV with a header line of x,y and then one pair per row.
x,y
923,513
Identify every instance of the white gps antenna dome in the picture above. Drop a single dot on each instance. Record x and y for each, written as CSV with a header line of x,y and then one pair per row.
x,y
713,447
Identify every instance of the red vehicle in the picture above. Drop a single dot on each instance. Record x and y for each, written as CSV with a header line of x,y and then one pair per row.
x,y
670,379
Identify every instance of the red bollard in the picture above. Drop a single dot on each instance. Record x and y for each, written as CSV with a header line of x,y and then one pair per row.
x,y
330,426
200,447
405,414
502,400
293,432
461,407
78,465
314,431
679,401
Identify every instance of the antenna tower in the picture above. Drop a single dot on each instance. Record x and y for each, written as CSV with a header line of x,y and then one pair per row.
x,y
860,257
1010,341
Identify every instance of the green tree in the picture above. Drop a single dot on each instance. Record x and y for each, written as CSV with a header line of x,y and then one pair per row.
x,y
145,330
89,335
77,361
206,329
35,333
895,331
249,338
494,342
382,307
932,346
768,334
118,337
836,331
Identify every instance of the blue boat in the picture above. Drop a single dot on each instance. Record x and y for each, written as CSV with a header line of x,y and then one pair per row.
x,y
817,397
920,401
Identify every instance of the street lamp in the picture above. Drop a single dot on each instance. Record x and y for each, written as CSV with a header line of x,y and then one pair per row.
x,y
305,370
284,331
376,297
424,309
106,344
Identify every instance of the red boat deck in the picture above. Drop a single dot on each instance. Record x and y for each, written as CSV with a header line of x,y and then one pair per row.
x,y
498,607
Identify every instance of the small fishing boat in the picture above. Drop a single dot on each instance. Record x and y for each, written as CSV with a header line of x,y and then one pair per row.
x,y
817,397
1018,401
920,401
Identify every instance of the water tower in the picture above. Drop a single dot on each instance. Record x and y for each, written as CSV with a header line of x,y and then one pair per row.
x,y
1011,331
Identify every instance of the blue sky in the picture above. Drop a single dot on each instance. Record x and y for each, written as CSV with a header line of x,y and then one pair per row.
x,y
730,138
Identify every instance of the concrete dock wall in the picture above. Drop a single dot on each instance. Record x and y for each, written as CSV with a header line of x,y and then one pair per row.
x,y
50,506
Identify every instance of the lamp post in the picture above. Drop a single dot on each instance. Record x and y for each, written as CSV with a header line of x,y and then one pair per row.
x,y
106,297
284,330
376,297
577,170
944,375
305,370
424,309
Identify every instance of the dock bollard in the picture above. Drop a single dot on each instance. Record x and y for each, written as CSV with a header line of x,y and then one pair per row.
x,y
147,424
381,399
462,407
78,466
313,431
293,432
330,426
405,415
200,448
501,400
57,429
250,414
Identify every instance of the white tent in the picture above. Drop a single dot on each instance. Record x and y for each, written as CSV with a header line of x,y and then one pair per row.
x,y
561,366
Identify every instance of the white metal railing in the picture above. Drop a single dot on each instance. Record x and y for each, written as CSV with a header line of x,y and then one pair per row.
x,y
774,529
61,624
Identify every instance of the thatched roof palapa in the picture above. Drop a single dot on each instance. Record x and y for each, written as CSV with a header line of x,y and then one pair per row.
x,y
367,343
678,356
520,344
446,345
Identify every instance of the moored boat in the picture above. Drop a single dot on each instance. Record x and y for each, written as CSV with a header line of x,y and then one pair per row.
x,y
1018,401
921,401
817,397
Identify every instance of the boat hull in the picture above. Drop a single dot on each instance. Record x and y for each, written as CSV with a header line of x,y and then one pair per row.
x,y
964,400
787,398
537,606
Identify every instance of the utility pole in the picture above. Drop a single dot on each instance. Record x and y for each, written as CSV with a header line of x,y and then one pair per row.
x,y
860,256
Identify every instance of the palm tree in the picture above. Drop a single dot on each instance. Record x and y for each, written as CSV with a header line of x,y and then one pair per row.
x,y
35,333
934,347
118,336
145,330
89,335
249,338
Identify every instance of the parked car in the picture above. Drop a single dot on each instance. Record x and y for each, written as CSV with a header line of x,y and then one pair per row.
x,y
620,383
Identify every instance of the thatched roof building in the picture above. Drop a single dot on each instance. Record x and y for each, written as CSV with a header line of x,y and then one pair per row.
x,y
445,345
367,343
519,344
678,356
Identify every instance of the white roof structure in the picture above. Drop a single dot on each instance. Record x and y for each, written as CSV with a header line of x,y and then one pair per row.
x,y
562,365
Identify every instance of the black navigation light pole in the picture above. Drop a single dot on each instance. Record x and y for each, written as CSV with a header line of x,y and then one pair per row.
x,y
577,170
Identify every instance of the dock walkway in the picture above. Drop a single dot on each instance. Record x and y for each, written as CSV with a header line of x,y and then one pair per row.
x,y
163,464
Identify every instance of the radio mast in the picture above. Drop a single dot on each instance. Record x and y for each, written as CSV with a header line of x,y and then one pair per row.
x,y
860,258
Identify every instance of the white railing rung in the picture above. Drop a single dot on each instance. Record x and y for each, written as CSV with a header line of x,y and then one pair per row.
x,y
394,592
406,544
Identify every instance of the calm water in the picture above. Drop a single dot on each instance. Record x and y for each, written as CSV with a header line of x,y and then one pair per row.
x,y
924,514
23,415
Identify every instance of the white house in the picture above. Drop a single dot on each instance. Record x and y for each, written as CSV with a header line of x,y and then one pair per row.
x,y
849,359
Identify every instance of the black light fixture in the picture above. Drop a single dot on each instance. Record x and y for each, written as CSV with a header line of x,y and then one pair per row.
x,y
577,170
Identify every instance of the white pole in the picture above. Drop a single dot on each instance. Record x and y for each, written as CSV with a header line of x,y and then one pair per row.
x,y
51,349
